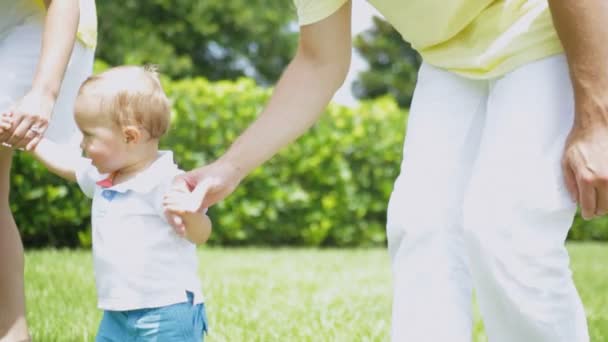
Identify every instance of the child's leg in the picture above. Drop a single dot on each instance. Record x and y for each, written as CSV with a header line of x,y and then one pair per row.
x,y
517,211
432,285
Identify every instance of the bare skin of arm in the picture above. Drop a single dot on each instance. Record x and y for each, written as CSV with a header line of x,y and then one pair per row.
x,y
581,26
317,70
34,110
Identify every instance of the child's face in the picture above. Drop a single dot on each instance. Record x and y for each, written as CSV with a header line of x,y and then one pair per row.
x,y
102,141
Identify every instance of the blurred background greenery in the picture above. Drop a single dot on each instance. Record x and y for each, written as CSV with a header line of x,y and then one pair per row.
x,y
219,59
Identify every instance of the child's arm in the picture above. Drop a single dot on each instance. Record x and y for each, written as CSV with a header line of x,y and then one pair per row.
x,y
52,155
198,227
57,159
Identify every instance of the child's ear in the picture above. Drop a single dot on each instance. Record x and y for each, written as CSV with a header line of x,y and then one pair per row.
x,y
132,134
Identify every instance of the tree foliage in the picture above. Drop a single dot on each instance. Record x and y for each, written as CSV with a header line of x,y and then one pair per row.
x,y
393,64
213,38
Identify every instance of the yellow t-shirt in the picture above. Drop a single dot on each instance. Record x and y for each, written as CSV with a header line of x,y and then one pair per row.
x,y
87,26
475,38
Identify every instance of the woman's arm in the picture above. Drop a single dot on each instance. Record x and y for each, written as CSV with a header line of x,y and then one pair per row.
x,y
316,72
58,38
307,85
34,110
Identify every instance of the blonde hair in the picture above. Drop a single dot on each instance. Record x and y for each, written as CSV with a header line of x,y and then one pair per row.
x,y
131,95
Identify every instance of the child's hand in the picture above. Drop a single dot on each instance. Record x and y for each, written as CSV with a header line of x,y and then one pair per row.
x,y
176,222
6,124
179,202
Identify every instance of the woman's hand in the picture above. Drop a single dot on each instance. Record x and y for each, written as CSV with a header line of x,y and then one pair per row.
x,y
197,190
5,123
29,120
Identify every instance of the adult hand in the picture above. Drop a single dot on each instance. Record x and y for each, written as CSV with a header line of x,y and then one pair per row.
x,y
585,165
206,185
179,202
5,123
30,118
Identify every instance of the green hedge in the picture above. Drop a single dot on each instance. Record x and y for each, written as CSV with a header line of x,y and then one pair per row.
x,y
328,189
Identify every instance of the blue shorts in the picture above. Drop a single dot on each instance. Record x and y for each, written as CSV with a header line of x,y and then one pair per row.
x,y
185,322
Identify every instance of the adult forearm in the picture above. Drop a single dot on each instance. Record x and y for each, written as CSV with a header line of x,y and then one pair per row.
x,y
299,98
583,31
581,26
60,27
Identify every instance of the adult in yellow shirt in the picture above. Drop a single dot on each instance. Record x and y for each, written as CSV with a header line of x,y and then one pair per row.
x,y
506,133
46,52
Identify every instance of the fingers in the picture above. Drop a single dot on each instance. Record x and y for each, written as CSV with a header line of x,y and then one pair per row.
x,y
587,195
601,197
174,200
200,192
570,180
176,223
602,204
33,143
28,129
179,184
25,128
6,129
174,208
207,194
5,123
179,202
19,131
8,117
182,202
38,133
592,192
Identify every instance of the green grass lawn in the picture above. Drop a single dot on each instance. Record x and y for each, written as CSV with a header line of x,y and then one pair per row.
x,y
274,294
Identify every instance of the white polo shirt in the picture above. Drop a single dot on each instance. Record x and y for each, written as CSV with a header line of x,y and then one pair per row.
x,y
140,262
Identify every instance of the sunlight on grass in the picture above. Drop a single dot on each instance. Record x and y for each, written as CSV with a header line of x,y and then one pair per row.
x,y
274,294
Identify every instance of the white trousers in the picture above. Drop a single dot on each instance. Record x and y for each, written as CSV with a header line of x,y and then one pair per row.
x,y
481,205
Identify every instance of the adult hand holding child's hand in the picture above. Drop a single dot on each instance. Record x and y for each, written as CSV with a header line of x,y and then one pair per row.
x,y
29,121
5,123
198,189
179,200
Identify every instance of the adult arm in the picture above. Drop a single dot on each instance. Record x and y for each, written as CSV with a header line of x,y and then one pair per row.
x,y
315,73
581,26
34,110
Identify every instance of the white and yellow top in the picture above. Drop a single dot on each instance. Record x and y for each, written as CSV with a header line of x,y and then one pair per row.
x,y
475,38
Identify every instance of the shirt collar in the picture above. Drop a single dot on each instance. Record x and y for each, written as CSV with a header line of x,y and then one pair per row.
x,y
143,182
